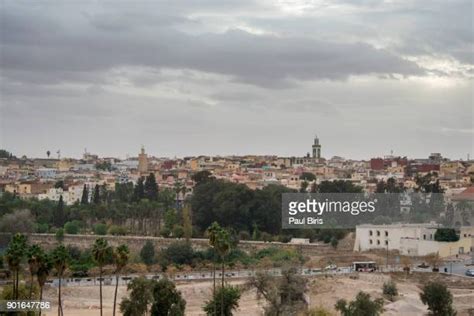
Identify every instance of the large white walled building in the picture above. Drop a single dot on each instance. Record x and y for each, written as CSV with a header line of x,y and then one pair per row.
x,y
411,239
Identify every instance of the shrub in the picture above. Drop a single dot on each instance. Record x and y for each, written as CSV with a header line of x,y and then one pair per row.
x,y
438,298
117,230
72,227
362,305
390,290
41,228
60,235
318,311
147,254
178,231
446,234
177,253
165,232
100,229
244,235
229,295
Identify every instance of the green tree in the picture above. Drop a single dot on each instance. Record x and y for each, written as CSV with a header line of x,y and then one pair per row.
x,y
147,253
446,234
139,190
20,221
338,186
96,195
187,222
121,257
308,176
202,176
151,188
60,259
33,255
99,251
44,269
229,296
59,184
14,255
362,305
213,233
284,295
5,154
85,195
59,215
438,298
167,300
141,296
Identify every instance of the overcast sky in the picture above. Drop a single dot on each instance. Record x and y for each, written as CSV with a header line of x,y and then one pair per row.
x,y
237,77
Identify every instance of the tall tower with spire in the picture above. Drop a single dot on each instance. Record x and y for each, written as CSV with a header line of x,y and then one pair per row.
x,y
316,148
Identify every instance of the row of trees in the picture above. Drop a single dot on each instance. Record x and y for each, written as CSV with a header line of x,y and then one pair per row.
x,y
42,264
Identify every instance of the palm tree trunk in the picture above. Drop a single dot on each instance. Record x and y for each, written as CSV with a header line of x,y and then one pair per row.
x,y
41,297
17,283
14,283
214,288
31,287
222,288
59,298
115,294
100,287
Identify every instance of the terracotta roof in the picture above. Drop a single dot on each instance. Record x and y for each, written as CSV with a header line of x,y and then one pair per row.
x,y
466,195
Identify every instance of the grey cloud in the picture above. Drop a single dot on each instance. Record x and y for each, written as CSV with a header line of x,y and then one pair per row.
x,y
266,60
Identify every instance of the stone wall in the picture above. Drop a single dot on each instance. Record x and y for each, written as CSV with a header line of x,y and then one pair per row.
x,y
135,243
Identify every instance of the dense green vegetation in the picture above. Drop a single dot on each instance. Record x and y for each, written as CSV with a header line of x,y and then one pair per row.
x,y
145,209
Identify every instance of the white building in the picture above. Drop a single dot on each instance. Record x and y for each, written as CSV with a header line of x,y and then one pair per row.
x,y
71,196
411,239
389,237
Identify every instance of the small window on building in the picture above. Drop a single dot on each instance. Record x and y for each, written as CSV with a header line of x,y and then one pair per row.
x,y
370,233
370,241
424,236
386,233
378,242
386,242
378,233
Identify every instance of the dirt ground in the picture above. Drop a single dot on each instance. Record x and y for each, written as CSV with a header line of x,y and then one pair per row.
x,y
323,291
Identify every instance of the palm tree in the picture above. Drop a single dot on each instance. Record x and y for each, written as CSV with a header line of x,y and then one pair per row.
x,y
121,256
14,255
223,247
212,233
33,255
44,268
99,251
60,258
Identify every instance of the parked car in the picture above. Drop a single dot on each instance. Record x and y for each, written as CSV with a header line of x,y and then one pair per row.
x,y
470,272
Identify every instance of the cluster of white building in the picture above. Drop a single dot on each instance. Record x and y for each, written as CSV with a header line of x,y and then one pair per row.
x,y
412,239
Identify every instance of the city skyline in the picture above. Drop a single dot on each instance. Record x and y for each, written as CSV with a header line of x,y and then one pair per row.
x,y
241,77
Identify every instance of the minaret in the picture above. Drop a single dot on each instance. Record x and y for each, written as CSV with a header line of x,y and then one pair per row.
x,y
316,148
143,161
